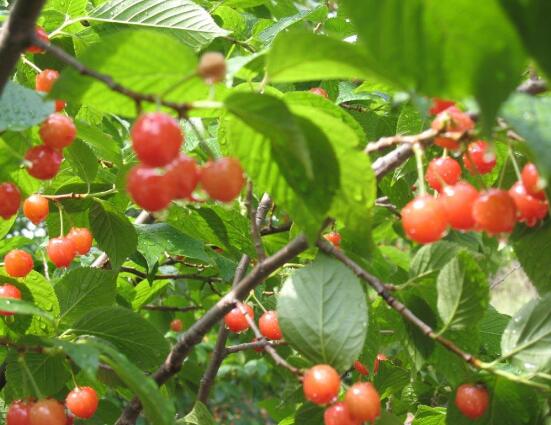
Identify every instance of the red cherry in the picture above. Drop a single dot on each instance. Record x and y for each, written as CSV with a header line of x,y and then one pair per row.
x,y
82,238
42,35
446,143
11,292
457,202
185,175
319,91
149,188
472,400
451,120
48,412
378,359
60,105
18,263
82,402
36,208
334,237
530,210
61,251
10,198
70,419
156,138
442,172
321,384
44,162
363,401
58,131
494,211
424,219
223,179
269,325
45,80
339,414
440,105
532,181
19,413
479,159
236,321
360,367
176,325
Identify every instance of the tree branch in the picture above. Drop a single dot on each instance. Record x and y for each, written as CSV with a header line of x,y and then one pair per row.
x,y
168,308
252,345
255,232
193,276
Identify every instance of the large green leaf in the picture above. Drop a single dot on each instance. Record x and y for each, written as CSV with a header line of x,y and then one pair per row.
x,y
6,225
323,313
427,415
492,326
102,144
21,108
199,415
23,307
390,379
83,160
527,338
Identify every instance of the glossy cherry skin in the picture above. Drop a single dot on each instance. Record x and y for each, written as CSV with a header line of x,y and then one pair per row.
x,y
9,291
495,212
43,162
451,120
185,175
18,263
19,413
479,158
58,131
530,210
472,400
339,414
319,91
442,172
440,105
36,208
82,238
48,412
42,35
156,138
82,402
235,320
532,181
363,401
45,80
223,179
457,202
150,188
321,384
61,251
269,326
360,368
176,325
10,199
212,67
334,237
424,219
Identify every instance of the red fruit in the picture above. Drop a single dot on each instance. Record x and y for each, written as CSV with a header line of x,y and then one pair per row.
x,y
11,292
19,413
156,138
36,208
363,401
479,159
446,143
319,91
335,238
45,80
184,174
530,210
223,179
380,358
451,120
457,202
48,412
60,105
339,414
532,181
360,367
58,131
424,219
70,419
176,325
236,321
149,188
42,35
82,238
440,105
494,211
269,325
18,263
472,400
321,384
442,172
44,162
82,402
10,198
61,251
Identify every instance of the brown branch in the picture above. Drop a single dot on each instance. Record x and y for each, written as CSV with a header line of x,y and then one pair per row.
x,y
533,87
255,232
252,345
193,276
384,202
169,308
385,142
271,230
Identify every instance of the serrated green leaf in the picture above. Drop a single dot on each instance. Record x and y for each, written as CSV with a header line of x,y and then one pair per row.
x,y
433,257
390,379
102,144
85,356
23,308
492,326
83,160
427,415
267,35
21,108
199,415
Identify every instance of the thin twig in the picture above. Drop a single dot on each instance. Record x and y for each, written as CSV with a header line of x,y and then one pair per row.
x,y
271,230
252,345
255,233
192,276
168,308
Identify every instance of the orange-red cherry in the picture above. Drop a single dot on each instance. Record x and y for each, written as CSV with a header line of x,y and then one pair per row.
x,y
156,138
48,412
61,251
532,181
43,162
451,120
269,325
321,384
58,131
472,400
18,263
11,292
82,238
236,321
361,368
319,91
36,208
185,175
424,219
334,237
363,401
19,413
82,402
495,212
45,80
10,199
42,35
530,210
223,179
479,158
176,325
443,172
339,414
150,188
457,202
440,105
378,359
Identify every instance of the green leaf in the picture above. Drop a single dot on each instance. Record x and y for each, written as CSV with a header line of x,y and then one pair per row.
x,y
492,326
70,8
6,225
83,160
102,144
84,355
83,289
527,338
21,108
113,232
199,415
390,379
23,307
292,58
130,333
433,257
427,415
323,313
463,293
308,414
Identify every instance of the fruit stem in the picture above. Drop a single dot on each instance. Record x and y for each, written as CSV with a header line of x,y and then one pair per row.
x,y
418,150
253,295
60,209
24,366
502,173
30,64
515,164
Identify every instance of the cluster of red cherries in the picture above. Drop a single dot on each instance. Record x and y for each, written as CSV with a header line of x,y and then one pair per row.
x,y
459,204
81,402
